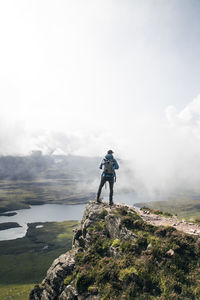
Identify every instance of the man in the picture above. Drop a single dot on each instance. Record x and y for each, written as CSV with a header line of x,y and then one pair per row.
x,y
109,165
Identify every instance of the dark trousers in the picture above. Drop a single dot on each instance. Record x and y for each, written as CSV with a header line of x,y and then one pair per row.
x,y
111,184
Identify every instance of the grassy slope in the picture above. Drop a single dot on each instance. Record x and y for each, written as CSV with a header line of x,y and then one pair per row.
x,y
184,208
15,292
138,271
24,261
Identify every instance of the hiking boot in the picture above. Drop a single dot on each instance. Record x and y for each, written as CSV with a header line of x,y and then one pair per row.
x,y
99,201
111,203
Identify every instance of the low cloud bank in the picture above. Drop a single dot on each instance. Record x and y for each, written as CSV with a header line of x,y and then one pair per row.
x,y
159,158
166,156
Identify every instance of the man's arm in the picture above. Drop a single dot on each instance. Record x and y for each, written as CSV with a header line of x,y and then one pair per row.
x,y
101,164
116,166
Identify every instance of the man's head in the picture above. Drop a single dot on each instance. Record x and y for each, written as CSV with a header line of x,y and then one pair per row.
x,y
110,152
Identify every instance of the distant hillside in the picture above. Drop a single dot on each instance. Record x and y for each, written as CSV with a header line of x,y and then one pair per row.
x,y
47,166
187,208
40,179
116,255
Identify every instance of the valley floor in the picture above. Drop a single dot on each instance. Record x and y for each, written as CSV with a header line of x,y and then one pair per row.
x,y
25,261
15,292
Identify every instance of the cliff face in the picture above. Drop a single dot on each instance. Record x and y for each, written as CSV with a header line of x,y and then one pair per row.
x,y
116,255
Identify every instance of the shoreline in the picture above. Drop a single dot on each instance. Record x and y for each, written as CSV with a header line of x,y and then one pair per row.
x,y
40,213
10,209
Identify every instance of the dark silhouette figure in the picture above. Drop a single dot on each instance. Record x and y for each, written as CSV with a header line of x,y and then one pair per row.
x,y
109,165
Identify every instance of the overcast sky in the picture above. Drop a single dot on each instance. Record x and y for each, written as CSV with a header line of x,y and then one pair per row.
x,y
84,76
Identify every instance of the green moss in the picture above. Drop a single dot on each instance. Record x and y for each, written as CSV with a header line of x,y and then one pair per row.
x,y
127,274
97,226
161,213
93,290
68,279
116,243
134,222
79,258
103,213
128,246
83,280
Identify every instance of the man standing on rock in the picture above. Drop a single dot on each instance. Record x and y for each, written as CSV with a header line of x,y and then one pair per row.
x,y
109,165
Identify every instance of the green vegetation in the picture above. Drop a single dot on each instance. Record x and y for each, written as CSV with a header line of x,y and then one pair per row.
x,y
34,180
8,225
39,179
161,263
26,260
21,194
186,208
15,292
116,243
157,211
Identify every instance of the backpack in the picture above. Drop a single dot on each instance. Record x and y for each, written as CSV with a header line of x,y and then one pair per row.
x,y
108,166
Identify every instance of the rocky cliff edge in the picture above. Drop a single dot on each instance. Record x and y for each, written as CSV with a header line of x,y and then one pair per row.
x,y
116,255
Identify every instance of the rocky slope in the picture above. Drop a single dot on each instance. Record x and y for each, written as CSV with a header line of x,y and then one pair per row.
x,y
174,221
117,255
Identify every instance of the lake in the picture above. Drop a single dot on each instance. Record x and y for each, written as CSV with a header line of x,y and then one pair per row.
x,y
52,213
39,213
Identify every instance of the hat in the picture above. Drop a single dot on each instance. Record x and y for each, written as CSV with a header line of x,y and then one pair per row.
x,y
110,152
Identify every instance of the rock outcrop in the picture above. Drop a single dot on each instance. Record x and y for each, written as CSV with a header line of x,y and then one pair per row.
x,y
53,286
117,255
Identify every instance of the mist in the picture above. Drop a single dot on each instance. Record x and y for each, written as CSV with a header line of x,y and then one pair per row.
x,y
156,158
79,78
